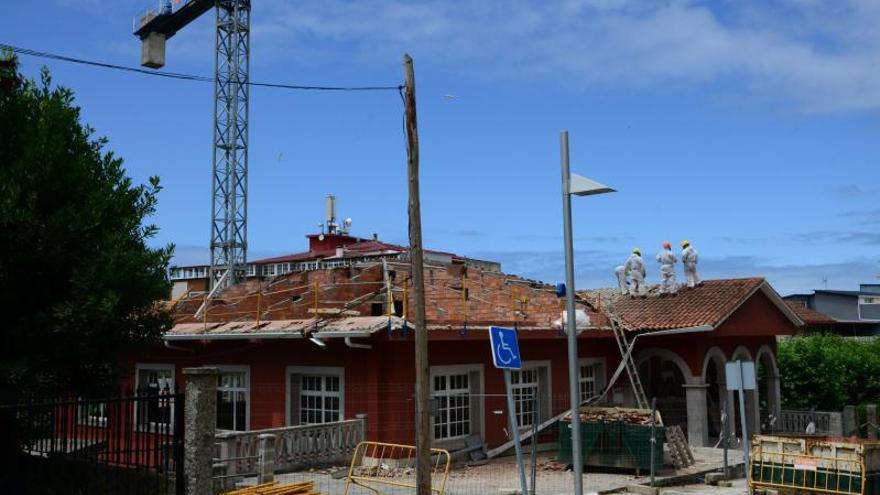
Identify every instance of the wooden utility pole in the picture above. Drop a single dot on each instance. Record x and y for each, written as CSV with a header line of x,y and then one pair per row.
x,y
417,267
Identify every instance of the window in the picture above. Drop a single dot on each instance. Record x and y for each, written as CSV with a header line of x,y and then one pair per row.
x,y
591,379
457,401
319,399
153,382
316,395
525,391
530,383
232,398
453,402
92,413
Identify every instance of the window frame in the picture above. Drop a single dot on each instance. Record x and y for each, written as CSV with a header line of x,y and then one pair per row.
x,y
599,381
152,426
338,371
545,404
477,424
237,368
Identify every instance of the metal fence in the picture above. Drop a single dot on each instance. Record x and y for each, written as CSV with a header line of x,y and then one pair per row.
x,y
824,423
131,443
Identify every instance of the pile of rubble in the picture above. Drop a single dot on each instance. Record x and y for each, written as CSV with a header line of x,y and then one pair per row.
x,y
629,416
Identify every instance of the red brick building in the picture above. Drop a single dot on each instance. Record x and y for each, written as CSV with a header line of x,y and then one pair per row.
x,y
324,342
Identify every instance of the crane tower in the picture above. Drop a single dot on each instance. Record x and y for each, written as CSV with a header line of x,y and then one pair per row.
x,y
231,94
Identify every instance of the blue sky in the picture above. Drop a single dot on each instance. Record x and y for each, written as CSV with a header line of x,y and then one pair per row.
x,y
750,128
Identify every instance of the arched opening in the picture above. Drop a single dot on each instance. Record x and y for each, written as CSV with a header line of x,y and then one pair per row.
x,y
768,389
663,376
716,391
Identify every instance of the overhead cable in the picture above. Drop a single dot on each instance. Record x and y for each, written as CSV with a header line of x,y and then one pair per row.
x,y
187,77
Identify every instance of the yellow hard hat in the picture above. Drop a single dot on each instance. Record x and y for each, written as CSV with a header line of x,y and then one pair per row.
x,y
637,251
685,243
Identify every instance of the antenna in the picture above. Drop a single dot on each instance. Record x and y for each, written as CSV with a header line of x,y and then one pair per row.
x,y
825,281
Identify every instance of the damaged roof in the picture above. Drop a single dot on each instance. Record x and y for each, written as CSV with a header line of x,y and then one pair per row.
x,y
709,304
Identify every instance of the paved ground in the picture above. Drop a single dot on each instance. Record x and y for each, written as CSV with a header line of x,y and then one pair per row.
x,y
739,488
500,476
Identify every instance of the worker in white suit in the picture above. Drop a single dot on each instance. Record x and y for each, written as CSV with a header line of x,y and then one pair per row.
x,y
636,268
667,261
621,273
689,258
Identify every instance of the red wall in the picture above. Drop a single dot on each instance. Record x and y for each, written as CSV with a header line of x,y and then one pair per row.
x,y
379,382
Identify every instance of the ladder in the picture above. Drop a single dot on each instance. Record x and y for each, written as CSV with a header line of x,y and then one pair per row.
x,y
679,450
626,354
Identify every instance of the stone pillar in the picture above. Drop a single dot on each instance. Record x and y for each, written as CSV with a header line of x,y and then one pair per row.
x,y
697,415
871,419
200,424
363,417
753,411
850,426
267,458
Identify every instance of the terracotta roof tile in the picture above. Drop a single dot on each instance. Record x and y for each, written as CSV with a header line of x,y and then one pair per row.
x,y
708,304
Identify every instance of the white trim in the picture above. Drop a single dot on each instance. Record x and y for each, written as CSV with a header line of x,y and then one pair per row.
x,y
313,370
458,369
155,367
537,365
238,368
592,361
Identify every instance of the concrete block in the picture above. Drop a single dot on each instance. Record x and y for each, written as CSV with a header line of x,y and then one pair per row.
x,y
153,50
725,484
713,478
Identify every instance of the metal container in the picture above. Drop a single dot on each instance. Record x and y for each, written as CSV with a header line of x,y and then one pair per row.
x,y
614,443
815,464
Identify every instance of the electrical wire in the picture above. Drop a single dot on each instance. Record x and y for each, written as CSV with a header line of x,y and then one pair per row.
x,y
188,77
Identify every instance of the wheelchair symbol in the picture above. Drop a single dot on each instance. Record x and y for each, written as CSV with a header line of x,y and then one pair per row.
x,y
503,351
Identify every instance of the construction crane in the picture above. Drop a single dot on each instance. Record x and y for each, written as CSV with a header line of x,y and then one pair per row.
x,y
231,94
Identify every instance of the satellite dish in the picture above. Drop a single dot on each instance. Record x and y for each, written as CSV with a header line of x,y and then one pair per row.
x,y
348,222
321,237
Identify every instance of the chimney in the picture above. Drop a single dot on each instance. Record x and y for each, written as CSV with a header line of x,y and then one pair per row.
x,y
331,214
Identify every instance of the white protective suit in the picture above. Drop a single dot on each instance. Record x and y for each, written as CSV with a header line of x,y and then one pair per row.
x,y
620,273
689,259
636,268
667,261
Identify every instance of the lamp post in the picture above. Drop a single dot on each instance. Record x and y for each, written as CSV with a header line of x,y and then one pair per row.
x,y
579,186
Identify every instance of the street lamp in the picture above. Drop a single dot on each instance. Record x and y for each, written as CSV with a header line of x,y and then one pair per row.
x,y
579,186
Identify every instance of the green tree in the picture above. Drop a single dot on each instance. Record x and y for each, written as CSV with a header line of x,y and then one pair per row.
x,y
78,283
829,372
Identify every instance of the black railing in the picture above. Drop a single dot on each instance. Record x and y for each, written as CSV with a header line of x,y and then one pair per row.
x,y
131,443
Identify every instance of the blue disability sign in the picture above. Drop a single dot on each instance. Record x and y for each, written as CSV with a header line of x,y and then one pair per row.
x,y
505,348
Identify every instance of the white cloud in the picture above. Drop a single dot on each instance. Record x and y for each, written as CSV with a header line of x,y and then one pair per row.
x,y
818,55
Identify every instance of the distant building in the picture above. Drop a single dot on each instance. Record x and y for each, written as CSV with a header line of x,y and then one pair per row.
x,y
854,312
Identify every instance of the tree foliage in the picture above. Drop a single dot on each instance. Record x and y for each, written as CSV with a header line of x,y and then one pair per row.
x,y
78,282
828,372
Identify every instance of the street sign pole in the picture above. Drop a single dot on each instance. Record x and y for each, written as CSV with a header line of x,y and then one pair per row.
x,y
741,377
505,356
742,417
577,463
514,430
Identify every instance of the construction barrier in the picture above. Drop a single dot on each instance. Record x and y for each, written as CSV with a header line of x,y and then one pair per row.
x,y
376,464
